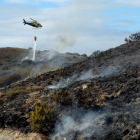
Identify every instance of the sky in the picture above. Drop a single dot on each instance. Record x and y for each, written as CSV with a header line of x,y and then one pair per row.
x,y
77,26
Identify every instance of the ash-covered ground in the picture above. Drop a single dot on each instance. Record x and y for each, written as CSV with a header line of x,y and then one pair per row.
x,y
102,100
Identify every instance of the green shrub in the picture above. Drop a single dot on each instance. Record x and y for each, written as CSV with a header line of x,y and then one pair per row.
x,y
5,68
85,55
40,115
26,63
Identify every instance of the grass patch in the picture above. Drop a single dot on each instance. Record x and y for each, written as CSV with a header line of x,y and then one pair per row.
x,y
32,89
16,90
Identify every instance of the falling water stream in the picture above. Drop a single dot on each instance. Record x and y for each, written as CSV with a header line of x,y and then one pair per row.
x,y
34,50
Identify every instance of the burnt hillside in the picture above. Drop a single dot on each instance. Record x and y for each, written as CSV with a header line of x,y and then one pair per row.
x,y
97,98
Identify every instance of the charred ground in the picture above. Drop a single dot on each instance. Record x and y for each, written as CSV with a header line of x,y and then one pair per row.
x,y
98,98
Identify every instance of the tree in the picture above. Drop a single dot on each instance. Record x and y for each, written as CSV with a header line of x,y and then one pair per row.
x,y
30,48
95,53
133,37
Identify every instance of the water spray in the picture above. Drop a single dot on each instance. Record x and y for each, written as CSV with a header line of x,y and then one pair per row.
x,y
35,38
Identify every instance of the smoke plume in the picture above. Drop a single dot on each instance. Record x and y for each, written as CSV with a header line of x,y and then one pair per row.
x,y
85,75
65,41
64,82
82,123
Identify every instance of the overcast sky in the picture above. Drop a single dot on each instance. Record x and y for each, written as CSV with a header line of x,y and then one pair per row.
x,y
81,26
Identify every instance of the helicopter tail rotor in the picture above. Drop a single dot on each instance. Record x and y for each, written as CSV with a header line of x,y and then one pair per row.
x,y
24,21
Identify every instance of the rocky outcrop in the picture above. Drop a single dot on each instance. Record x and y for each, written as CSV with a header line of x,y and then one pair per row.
x,y
9,134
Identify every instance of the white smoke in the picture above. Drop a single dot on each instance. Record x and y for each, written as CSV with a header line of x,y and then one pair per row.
x,y
25,58
64,82
68,81
51,54
84,123
64,41
111,70
86,75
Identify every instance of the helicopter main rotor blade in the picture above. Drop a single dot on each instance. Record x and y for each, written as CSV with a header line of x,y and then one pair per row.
x,y
38,20
32,19
42,20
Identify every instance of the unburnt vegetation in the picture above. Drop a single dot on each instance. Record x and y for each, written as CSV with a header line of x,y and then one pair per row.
x,y
133,37
40,116
61,96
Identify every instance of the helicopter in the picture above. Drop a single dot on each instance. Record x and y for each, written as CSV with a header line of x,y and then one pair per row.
x,y
33,23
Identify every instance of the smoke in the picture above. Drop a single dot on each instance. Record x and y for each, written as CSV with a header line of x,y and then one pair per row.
x,y
68,81
86,75
64,41
111,70
36,70
64,82
28,56
84,123
51,54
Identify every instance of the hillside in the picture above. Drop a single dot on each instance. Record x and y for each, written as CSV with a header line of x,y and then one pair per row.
x,y
17,64
10,58
95,99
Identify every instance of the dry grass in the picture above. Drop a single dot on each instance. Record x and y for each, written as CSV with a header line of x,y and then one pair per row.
x,y
57,93
16,90
4,81
34,88
11,53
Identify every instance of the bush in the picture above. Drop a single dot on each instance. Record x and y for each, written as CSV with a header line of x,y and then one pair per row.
x,y
133,37
1,63
30,48
5,68
95,53
26,63
40,115
77,54
59,92
85,55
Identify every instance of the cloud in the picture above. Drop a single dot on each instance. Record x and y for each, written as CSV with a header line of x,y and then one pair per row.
x,y
83,24
16,1
35,1
135,3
